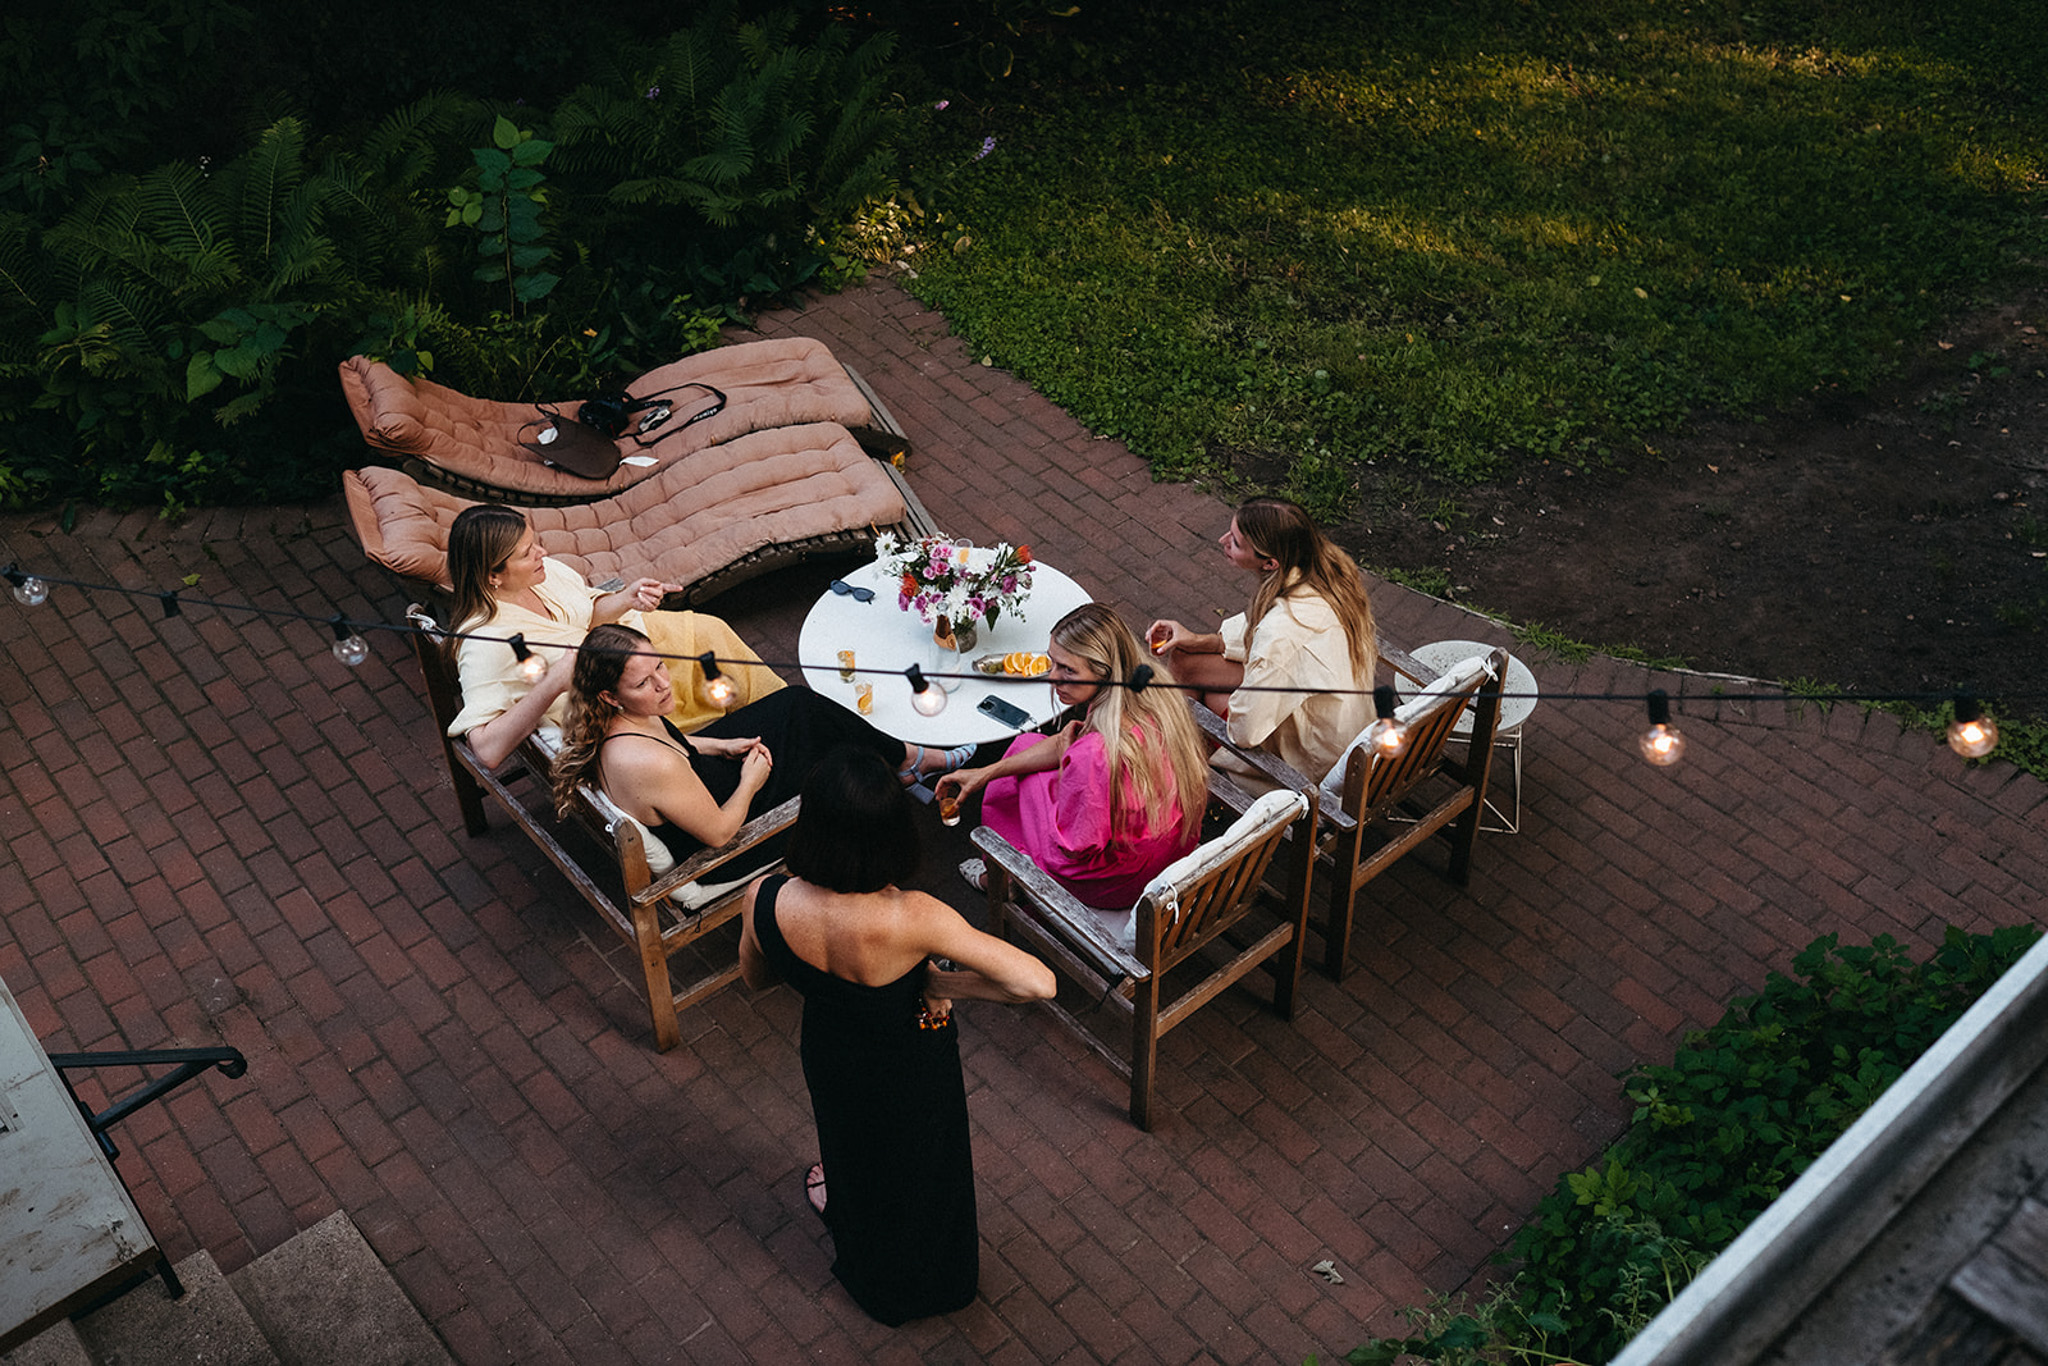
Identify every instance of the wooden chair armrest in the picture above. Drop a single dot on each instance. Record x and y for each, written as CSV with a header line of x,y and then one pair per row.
x,y
1239,798
1230,793
1058,904
1279,771
693,868
1407,665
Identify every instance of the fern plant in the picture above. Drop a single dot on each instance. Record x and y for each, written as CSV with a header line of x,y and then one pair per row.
x,y
767,140
142,331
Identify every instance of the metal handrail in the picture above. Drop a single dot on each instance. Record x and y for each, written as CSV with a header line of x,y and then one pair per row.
x,y
191,1062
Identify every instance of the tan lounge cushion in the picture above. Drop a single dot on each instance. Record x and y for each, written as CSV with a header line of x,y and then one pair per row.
x,y
780,382
698,515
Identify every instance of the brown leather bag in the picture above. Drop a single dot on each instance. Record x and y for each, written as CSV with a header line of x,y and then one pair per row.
x,y
556,439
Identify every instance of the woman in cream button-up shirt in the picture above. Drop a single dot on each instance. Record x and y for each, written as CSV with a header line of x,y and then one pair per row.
x,y
1309,626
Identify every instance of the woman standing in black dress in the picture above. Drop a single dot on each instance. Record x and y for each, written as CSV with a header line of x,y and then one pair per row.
x,y
880,1051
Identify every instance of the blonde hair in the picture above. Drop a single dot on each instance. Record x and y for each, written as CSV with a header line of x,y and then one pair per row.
x,y
1097,636
600,663
1305,558
480,544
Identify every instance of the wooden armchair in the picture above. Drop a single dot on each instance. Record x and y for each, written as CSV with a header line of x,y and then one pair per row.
x,y
1373,810
1122,958
660,908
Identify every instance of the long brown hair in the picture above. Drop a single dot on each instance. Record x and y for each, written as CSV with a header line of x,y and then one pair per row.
x,y
600,662
1098,637
1304,557
480,544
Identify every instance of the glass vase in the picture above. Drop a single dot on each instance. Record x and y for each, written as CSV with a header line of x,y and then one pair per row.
x,y
951,643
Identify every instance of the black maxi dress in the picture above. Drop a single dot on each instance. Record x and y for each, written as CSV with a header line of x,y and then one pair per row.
x,y
891,1110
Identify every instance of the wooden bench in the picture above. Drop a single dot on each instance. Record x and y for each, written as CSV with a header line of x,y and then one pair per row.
x,y
658,915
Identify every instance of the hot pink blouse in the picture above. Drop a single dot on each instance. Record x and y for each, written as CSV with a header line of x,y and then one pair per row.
x,y
1061,819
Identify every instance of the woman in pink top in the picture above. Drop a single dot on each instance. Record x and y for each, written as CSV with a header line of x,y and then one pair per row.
x,y
1111,799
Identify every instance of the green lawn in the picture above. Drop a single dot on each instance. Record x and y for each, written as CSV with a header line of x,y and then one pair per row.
x,y
1485,233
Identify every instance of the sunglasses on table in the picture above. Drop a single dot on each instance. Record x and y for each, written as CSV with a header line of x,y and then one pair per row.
x,y
845,589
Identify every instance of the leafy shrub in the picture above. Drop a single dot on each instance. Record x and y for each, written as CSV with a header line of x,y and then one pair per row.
x,y
1716,1135
168,333
161,317
765,140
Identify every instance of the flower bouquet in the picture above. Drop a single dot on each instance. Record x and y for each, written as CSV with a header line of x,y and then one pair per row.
x,y
952,584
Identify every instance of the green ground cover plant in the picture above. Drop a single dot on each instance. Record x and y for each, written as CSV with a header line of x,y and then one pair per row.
x,y
1474,234
1716,1135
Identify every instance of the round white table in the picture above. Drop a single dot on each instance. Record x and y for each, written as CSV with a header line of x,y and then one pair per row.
x,y
886,640
1517,704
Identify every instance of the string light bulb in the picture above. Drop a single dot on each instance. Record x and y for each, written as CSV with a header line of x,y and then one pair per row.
x,y
1386,737
1971,734
532,668
719,690
1141,679
926,699
350,648
29,590
1661,744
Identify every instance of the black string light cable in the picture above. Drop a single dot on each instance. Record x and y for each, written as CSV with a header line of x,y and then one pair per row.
x,y
1972,734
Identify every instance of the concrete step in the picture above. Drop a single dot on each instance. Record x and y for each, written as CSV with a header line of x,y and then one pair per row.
x,y
57,1345
208,1325
324,1298
321,1298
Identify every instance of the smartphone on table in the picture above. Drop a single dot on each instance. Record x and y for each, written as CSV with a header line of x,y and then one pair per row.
x,y
1009,713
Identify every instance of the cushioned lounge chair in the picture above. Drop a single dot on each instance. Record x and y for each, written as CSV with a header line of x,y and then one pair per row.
x,y
707,521
472,446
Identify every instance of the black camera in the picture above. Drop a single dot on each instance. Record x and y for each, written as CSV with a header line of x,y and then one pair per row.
x,y
608,412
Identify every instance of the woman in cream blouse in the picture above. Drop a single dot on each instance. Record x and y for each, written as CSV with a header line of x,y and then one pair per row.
x,y
1309,626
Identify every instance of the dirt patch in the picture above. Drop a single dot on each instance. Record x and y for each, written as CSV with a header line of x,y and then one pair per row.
x,y
1893,542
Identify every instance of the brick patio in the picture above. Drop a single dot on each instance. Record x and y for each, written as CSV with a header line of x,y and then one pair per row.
x,y
215,832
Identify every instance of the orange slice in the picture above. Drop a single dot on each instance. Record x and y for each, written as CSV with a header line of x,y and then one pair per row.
x,y
1038,664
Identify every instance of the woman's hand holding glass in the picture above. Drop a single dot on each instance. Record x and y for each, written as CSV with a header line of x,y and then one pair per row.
x,y
1166,637
957,786
938,1004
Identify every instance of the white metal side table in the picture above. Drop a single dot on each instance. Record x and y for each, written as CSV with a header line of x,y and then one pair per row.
x,y
1517,704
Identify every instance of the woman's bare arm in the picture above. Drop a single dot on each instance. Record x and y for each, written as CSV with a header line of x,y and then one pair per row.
x,y
494,741
985,968
1165,637
1039,758
647,774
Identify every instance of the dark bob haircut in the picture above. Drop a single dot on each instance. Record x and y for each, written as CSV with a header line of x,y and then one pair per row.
x,y
854,832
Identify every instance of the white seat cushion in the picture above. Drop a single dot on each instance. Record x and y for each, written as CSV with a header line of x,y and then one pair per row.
x,y
1454,679
1204,859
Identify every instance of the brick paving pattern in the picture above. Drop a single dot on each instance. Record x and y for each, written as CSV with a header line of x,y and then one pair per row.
x,y
215,832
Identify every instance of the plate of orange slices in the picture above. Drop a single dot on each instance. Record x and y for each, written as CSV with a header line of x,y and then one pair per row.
x,y
1015,664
